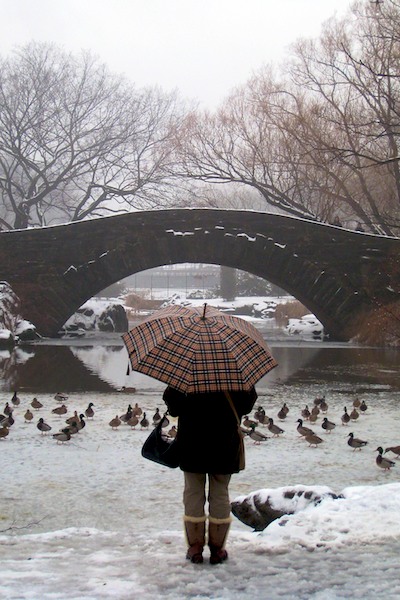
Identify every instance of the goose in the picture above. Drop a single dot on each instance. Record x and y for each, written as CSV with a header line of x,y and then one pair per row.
x,y
394,449
382,462
274,429
62,436
60,410
313,440
303,431
36,404
42,426
355,443
89,412
28,416
328,425
345,417
115,422
305,413
257,436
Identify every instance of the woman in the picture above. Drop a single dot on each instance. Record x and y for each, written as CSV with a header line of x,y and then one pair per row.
x,y
209,443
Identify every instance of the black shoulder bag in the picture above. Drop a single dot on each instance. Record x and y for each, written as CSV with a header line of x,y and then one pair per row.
x,y
161,450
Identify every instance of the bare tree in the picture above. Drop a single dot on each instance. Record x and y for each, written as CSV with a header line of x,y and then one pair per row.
x,y
77,141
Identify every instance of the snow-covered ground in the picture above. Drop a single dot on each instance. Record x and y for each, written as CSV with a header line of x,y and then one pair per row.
x,y
91,519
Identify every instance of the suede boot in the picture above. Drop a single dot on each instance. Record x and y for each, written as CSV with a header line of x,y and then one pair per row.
x,y
217,534
195,529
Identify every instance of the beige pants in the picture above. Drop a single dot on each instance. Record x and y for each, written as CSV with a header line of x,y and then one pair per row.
x,y
194,495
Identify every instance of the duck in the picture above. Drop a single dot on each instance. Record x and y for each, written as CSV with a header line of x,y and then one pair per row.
x,y
263,420
328,425
115,422
354,414
15,400
137,411
355,443
8,421
313,439
318,400
305,413
7,409
4,431
81,423
60,397
172,432
28,416
42,426
356,403
363,407
345,417
36,404
313,417
274,429
73,419
133,421
257,436
62,436
282,414
126,416
89,412
248,422
394,449
156,416
323,406
60,410
382,462
303,431
144,423
127,390
259,414
315,411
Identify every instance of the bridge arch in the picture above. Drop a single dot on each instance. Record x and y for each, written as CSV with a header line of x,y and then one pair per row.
x,y
339,275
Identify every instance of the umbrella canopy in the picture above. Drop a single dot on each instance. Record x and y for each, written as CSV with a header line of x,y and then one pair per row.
x,y
199,350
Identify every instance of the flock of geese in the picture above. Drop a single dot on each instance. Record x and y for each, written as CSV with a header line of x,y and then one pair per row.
x,y
250,427
135,416
75,423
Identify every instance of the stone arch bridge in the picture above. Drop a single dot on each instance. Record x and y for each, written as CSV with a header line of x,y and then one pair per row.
x,y
341,276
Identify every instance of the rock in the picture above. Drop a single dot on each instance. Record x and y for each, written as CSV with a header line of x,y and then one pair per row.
x,y
260,508
98,316
13,328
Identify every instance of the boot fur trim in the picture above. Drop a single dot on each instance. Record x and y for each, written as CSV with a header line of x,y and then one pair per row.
x,y
188,519
220,521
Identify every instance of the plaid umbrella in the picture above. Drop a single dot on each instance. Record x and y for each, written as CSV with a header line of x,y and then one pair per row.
x,y
197,350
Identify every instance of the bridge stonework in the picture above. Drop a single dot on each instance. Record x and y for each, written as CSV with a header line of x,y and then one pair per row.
x,y
339,275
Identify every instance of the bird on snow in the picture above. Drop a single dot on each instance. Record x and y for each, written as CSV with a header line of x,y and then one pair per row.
x,y
274,429
89,412
248,422
303,431
62,436
382,462
115,422
257,436
354,414
36,404
15,400
28,416
60,410
60,397
156,416
355,443
42,426
363,407
394,449
282,414
4,431
137,411
313,440
305,413
345,417
144,423
133,421
356,403
323,406
328,425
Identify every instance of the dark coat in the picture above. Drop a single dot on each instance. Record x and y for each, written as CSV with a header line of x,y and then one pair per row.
x,y
208,434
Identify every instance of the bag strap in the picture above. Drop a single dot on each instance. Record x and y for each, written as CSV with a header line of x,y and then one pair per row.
x,y
227,394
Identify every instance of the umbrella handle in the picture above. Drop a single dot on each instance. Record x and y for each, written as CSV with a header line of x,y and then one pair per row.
x,y
204,311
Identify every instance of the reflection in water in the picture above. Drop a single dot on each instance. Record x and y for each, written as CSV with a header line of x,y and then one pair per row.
x,y
102,366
